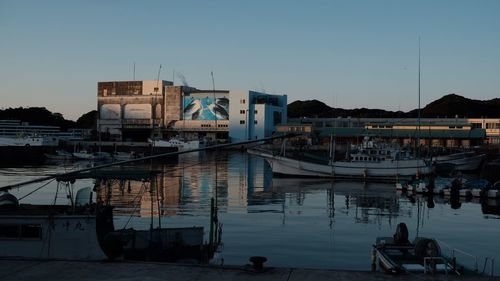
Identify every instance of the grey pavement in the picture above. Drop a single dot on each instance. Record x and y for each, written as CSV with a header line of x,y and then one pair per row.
x,y
13,270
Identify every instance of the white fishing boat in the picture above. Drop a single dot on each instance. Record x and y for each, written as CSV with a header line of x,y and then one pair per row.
x,y
84,228
59,155
372,160
25,148
181,144
462,161
49,231
84,155
28,140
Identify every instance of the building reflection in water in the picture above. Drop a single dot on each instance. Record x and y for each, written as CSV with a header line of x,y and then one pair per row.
x,y
244,183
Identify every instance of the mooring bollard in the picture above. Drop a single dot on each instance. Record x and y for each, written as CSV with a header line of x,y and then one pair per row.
x,y
258,262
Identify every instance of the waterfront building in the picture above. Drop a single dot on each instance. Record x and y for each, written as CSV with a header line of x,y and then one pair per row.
x,y
129,110
254,115
443,132
138,110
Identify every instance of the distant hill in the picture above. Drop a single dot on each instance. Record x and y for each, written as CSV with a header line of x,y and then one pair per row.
x,y
42,116
447,106
315,108
452,104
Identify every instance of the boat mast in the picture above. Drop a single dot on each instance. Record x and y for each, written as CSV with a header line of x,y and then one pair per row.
x,y
215,115
155,100
418,122
418,118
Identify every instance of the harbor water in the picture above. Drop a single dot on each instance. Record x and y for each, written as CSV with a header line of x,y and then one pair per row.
x,y
294,222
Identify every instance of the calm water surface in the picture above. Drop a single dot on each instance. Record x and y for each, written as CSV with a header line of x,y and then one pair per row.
x,y
293,222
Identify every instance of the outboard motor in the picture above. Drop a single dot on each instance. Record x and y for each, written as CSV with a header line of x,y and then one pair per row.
x,y
8,202
401,235
425,247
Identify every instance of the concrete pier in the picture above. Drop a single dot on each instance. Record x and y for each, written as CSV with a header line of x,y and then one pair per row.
x,y
12,270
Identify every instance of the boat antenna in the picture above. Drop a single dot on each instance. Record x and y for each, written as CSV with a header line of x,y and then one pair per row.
x,y
158,79
215,115
155,98
134,72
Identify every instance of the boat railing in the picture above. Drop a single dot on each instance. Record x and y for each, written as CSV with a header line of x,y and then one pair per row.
x,y
492,269
454,251
432,260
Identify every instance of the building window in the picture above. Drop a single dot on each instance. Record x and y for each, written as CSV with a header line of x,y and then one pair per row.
x,y
256,112
255,121
476,125
492,125
20,231
242,111
242,121
242,101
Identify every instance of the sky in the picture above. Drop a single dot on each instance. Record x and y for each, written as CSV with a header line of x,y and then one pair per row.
x,y
348,54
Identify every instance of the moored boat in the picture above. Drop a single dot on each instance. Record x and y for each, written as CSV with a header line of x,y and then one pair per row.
x,y
371,161
50,231
96,156
181,144
397,255
463,161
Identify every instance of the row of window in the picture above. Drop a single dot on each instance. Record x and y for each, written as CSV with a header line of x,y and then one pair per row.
x,y
243,111
492,125
366,158
243,122
210,125
488,125
382,126
20,231
296,129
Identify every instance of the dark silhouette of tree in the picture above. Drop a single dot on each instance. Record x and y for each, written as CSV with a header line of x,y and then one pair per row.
x,y
88,120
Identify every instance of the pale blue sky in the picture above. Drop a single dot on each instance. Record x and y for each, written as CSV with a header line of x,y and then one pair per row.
x,y
345,53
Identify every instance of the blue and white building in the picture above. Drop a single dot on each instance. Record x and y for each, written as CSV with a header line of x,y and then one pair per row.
x,y
254,115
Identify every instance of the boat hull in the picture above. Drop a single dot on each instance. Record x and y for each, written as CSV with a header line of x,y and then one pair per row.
x,y
387,170
464,163
66,237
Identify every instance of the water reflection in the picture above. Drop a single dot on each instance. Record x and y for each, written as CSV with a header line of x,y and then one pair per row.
x,y
244,184
294,222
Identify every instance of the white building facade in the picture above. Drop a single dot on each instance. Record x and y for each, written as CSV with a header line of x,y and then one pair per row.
x,y
254,115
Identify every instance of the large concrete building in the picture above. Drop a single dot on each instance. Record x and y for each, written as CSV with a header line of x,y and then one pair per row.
x,y
138,110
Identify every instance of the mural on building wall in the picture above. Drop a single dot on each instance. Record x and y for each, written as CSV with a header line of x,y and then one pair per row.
x,y
198,107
